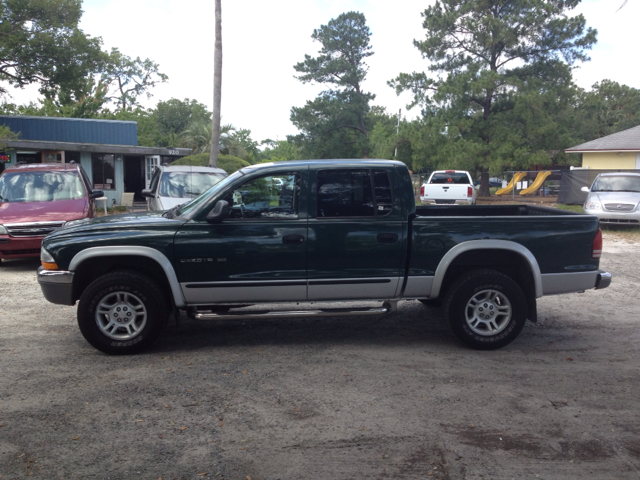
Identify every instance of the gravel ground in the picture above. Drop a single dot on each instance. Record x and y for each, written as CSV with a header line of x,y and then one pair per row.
x,y
334,398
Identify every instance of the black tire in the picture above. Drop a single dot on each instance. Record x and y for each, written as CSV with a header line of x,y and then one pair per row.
x,y
431,302
127,295
486,309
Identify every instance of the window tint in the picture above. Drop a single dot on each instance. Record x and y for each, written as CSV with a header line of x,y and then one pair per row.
x,y
348,193
450,177
274,196
382,186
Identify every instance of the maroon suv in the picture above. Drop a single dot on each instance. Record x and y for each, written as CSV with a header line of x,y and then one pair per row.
x,y
36,199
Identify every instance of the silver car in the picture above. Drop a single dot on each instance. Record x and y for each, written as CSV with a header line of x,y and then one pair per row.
x,y
615,198
173,185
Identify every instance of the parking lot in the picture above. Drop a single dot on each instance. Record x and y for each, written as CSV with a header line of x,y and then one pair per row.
x,y
332,398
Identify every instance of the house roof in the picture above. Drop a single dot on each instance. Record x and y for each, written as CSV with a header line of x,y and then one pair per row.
x,y
99,148
73,130
626,140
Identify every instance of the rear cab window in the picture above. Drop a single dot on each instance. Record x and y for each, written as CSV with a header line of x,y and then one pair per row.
x,y
456,178
353,193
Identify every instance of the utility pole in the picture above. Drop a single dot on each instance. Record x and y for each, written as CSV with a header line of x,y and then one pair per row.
x,y
395,153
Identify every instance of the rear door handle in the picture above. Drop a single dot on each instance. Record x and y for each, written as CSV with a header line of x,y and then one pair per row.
x,y
387,237
293,239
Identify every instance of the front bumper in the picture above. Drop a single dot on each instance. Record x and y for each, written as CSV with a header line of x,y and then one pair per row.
x,y
19,247
57,286
606,217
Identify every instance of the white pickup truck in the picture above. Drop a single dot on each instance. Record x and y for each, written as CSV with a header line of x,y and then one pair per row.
x,y
448,187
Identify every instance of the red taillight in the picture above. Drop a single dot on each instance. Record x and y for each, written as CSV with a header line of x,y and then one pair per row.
x,y
422,191
449,171
596,252
469,192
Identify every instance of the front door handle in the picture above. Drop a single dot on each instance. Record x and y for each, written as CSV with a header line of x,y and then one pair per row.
x,y
387,237
293,239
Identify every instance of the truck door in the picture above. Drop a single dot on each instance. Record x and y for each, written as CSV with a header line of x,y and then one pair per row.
x,y
258,254
355,235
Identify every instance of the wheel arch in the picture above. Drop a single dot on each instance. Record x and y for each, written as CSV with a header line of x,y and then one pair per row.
x,y
92,262
459,257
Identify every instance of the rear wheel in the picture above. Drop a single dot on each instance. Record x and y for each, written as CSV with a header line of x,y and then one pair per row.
x,y
122,312
486,309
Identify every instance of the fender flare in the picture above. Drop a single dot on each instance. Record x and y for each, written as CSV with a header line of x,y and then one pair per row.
x,y
471,245
122,251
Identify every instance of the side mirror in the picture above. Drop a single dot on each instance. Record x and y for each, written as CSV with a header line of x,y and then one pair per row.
x,y
219,212
96,194
585,189
146,193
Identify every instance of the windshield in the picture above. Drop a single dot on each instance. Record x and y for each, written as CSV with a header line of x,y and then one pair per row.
x,y
24,187
459,178
189,208
621,183
187,184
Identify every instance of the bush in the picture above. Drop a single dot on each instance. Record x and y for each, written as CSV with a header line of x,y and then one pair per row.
x,y
228,163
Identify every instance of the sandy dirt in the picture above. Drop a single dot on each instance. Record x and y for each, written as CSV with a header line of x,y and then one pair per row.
x,y
336,398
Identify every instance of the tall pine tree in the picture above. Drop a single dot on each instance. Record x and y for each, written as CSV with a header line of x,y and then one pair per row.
x,y
499,71
334,125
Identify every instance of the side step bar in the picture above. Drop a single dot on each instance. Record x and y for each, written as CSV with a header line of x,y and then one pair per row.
x,y
387,307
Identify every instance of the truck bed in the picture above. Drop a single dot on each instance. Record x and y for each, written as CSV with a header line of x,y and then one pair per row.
x,y
560,240
489,211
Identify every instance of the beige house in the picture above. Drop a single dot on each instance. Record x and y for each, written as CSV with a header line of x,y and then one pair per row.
x,y
619,151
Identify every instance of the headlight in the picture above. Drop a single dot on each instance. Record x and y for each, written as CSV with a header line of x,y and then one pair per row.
x,y
48,262
593,206
3,230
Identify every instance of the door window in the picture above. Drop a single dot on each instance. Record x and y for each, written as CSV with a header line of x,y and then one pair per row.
x,y
349,193
272,196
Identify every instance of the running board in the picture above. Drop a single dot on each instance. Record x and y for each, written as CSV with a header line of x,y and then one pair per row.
x,y
387,307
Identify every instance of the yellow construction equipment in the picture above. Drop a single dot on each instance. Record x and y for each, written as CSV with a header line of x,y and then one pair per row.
x,y
537,183
516,178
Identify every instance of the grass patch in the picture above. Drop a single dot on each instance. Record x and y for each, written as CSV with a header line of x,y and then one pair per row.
x,y
571,208
627,234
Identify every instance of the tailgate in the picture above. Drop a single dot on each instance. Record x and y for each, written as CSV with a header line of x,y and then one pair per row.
x,y
446,191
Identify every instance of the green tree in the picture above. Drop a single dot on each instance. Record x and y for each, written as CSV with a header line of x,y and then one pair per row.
x,y
242,138
174,117
198,137
279,151
5,135
129,78
334,124
607,108
40,42
496,68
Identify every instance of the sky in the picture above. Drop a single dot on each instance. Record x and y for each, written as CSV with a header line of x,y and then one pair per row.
x,y
262,41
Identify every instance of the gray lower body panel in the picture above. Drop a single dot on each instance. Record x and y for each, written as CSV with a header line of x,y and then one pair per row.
x,y
418,287
290,290
240,292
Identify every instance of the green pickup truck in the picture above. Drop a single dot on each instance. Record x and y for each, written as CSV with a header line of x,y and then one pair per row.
x,y
317,231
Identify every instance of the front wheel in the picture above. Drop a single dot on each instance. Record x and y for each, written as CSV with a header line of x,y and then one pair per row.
x,y
122,312
486,309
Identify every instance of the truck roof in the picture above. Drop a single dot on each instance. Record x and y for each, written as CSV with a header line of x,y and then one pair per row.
x,y
343,162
